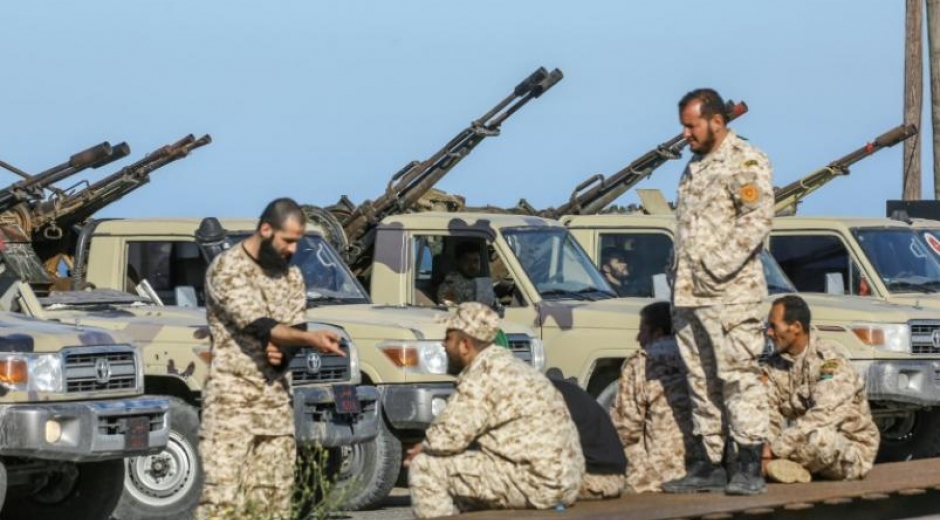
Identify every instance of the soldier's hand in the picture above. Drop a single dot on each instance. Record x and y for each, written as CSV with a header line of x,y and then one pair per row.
x,y
412,453
274,354
325,341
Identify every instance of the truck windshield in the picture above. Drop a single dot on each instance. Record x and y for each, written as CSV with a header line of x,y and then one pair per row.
x,y
557,265
777,281
327,278
902,259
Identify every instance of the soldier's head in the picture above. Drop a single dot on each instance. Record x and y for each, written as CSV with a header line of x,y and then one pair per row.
x,y
470,329
788,324
280,228
655,323
614,263
467,258
704,120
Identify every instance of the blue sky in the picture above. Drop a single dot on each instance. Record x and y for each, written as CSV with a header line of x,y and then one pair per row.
x,y
317,99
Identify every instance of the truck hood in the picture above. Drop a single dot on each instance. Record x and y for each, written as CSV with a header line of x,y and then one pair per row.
x,y
142,323
615,313
380,322
848,309
20,333
926,301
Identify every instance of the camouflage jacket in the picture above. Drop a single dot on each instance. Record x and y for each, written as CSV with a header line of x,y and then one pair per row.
x,y
239,292
505,408
725,209
817,389
652,414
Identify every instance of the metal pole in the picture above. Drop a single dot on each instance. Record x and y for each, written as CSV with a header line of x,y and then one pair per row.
x,y
913,97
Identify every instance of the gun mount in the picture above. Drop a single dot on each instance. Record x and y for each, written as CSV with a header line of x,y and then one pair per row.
x,y
787,198
351,228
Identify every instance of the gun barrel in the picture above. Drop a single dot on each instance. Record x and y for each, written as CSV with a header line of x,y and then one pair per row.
x,y
885,140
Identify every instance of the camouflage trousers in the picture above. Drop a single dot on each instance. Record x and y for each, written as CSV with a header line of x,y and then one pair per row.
x,y
473,480
246,475
833,456
600,487
720,346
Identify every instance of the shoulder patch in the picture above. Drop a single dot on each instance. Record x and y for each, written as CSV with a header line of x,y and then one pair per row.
x,y
749,193
750,162
829,368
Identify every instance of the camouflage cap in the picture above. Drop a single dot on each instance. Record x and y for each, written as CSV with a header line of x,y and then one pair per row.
x,y
473,319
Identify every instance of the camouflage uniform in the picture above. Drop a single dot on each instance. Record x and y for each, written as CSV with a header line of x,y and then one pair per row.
x,y
652,414
830,430
724,213
505,439
247,433
456,288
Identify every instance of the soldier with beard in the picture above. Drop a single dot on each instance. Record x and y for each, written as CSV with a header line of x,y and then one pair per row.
x,y
255,304
505,439
724,212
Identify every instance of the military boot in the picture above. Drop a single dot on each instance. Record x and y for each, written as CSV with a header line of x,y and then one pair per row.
x,y
701,475
745,465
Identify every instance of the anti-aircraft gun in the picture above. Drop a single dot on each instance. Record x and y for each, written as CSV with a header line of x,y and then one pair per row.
x,y
351,228
787,198
33,223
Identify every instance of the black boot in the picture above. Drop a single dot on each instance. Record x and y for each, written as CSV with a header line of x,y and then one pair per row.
x,y
745,469
701,475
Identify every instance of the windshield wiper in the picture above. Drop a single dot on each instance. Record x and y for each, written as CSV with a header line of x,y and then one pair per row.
x,y
325,298
778,289
590,289
566,294
917,287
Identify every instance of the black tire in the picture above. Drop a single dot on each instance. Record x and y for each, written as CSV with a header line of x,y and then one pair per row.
x,y
167,485
90,491
920,440
369,471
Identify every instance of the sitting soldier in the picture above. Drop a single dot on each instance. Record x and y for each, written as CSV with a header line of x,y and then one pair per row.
x,y
461,285
505,439
819,416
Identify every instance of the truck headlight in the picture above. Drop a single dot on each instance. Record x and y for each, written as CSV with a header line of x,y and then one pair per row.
x,y
891,337
32,372
420,357
538,354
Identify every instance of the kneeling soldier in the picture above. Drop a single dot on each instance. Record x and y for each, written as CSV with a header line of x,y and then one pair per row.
x,y
813,386
505,439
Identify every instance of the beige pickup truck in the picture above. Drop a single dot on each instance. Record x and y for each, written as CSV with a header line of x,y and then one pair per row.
x,y
879,337
399,347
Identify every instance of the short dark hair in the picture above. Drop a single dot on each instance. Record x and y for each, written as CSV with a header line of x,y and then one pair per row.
x,y
659,316
711,103
612,252
279,211
795,309
466,247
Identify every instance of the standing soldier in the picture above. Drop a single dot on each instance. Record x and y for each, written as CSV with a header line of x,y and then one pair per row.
x,y
505,439
651,412
724,213
820,421
255,305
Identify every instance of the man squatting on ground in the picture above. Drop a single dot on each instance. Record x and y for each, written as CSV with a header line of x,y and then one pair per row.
x,y
255,304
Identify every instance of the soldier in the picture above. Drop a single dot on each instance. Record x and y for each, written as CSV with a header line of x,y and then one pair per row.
x,y
724,213
615,269
460,286
505,439
255,306
652,412
820,422
605,463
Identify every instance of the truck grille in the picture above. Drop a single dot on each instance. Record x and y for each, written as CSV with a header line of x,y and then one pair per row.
x,y
312,367
925,337
520,346
96,369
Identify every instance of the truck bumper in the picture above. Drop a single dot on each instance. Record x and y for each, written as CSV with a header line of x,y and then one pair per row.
x,y
414,406
84,431
912,382
317,420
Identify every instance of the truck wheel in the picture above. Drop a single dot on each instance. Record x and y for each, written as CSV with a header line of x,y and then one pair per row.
x,y
166,485
914,437
88,491
369,471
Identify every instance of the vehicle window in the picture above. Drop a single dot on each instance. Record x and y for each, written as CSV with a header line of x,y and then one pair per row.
x,y
453,269
629,261
166,265
807,259
902,259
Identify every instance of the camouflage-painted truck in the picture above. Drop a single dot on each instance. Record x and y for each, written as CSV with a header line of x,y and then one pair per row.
x,y
174,341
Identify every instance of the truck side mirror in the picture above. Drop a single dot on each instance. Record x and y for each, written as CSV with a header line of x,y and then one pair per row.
x,y
661,289
185,296
835,284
